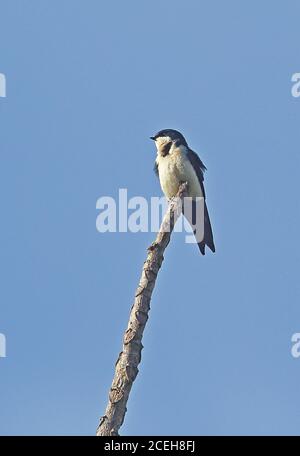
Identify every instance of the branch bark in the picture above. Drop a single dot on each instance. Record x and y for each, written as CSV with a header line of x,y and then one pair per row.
x,y
126,368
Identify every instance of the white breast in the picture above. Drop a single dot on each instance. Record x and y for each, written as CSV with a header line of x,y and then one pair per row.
x,y
175,168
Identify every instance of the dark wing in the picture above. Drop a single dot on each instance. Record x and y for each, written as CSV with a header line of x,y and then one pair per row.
x,y
156,168
198,166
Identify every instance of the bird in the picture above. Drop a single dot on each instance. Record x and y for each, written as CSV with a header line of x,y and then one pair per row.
x,y
177,163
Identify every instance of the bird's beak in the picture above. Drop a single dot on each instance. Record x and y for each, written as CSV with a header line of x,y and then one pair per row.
x,y
152,137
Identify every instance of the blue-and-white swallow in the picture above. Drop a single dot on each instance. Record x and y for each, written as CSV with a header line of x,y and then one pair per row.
x,y
176,163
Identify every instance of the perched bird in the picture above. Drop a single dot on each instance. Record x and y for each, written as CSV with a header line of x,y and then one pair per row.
x,y
176,163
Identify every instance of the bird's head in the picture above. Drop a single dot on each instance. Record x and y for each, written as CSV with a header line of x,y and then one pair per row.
x,y
169,136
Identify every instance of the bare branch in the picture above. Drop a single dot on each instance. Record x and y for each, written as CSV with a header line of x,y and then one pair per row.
x,y
127,363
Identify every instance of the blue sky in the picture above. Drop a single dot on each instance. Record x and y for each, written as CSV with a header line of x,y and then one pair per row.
x,y
87,83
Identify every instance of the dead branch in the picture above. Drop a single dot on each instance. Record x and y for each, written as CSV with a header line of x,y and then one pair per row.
x,y
126,368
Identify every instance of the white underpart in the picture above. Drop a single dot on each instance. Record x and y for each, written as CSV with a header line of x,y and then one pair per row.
x,y
174,169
